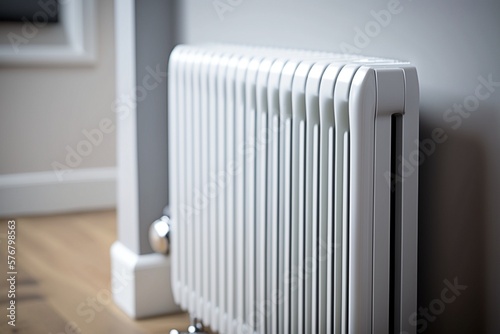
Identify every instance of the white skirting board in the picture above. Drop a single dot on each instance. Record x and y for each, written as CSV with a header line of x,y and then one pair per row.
x,y
43,193
141,283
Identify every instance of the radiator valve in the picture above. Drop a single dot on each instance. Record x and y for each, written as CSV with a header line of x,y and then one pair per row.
x,y
159,235
196,328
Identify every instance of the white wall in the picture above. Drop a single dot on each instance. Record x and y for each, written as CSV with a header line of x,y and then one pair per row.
x,y
453,44
44,110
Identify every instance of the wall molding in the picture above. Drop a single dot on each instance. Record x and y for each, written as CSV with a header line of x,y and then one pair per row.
x,y
42,193
78,24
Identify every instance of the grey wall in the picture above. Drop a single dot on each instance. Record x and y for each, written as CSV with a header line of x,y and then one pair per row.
x,y
155,37
453,44
146,32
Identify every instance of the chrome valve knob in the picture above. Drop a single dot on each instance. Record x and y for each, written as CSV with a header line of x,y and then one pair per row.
x,y
159,235
196,328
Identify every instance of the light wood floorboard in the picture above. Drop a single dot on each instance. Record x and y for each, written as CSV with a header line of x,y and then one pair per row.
x,y
63,280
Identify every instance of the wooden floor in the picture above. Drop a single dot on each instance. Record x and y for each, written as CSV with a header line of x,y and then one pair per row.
x,y
63,280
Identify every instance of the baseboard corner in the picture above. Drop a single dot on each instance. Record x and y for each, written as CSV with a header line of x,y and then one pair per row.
x,y
141,283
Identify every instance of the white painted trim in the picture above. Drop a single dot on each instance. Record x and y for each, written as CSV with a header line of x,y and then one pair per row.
x,y
43,193
141,283
79,25
126,125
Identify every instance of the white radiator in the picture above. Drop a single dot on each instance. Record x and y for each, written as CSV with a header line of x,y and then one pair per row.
x,y
293,187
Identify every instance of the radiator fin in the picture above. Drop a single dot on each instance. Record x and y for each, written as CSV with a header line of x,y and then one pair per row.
x,y
281,217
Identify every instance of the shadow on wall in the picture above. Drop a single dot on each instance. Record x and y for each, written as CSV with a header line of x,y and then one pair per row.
x,y
452,234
